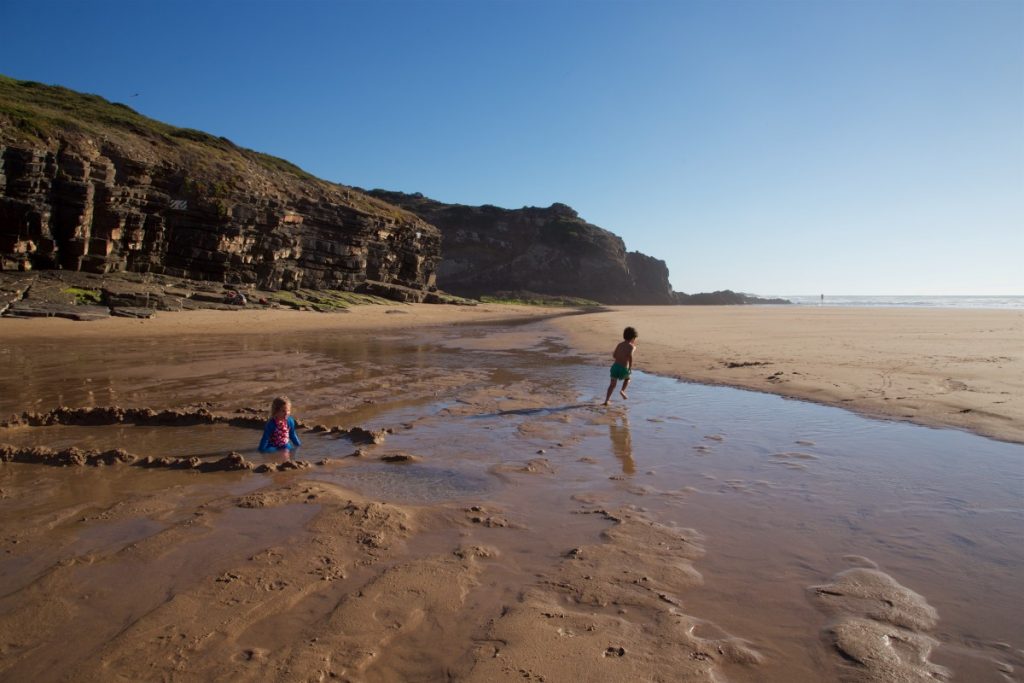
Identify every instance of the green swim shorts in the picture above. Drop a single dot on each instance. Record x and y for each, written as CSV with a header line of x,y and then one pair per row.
x,y
620,371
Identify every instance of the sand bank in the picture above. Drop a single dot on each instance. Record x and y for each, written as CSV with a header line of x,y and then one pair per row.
x,y
253,321
946,368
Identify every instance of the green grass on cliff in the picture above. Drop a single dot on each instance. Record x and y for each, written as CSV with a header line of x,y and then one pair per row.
x,y
37,115
38,111
325,300
85,296
533,299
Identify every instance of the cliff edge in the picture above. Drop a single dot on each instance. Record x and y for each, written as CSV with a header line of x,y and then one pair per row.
x,y
550,251
90,185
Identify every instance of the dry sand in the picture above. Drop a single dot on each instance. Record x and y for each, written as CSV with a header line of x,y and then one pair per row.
x,y
112,573
945,368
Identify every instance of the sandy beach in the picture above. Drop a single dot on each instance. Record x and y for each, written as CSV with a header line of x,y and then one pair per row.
x,y
505,526
947,368
259,320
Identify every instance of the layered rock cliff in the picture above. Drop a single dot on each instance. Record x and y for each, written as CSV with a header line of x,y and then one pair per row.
x,y
89,185
550,251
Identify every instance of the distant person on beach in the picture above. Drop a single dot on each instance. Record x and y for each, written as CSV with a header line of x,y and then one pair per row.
x,y
279,432
622,368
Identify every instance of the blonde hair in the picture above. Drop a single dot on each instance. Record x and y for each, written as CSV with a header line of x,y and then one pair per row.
x,y
279,403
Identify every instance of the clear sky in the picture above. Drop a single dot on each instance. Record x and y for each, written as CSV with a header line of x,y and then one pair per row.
x,y
773,147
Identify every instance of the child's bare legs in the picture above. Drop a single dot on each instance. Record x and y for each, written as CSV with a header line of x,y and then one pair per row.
x,y
611,388
622,392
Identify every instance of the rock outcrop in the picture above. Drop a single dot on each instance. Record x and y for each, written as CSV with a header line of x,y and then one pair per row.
x,y
89,185
725,297
551,251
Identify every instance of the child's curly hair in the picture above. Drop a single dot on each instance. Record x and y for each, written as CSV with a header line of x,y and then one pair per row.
x,y
629,334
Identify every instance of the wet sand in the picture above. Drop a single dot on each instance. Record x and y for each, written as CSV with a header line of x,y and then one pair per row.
x,y
507,528
946,368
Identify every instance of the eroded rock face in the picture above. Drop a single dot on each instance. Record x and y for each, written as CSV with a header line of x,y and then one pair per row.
x,y
487,249
83,204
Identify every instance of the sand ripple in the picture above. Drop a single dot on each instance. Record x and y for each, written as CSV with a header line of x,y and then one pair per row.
x,y
611,612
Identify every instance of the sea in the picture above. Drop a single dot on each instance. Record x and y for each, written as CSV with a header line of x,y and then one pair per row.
x,y
899,301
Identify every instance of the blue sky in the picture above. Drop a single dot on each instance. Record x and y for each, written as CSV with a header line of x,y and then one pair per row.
x,y
774,147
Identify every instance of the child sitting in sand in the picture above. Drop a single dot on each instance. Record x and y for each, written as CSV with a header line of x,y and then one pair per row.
x,y
623,365
279,434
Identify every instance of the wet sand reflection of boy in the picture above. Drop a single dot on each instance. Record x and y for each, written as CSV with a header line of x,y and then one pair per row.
x,y
622,444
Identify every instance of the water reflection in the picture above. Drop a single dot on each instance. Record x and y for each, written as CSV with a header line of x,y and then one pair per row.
x,y
622,443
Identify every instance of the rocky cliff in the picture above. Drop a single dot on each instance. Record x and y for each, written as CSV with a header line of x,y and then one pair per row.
x,y
725,297
89,185
550,251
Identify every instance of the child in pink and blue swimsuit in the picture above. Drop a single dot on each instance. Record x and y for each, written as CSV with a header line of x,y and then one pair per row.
x,y
279,434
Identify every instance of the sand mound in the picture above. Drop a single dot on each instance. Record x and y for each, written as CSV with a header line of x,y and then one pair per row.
x,y
879,628
150,417
110,415
77,457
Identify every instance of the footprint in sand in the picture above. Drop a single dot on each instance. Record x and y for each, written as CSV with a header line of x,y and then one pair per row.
x,y
734,486
794,455
478,514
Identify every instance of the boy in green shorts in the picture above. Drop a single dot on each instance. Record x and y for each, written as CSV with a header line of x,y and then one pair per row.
x,y
623,365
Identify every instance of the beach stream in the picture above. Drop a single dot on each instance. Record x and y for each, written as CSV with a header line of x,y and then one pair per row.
x,y
504,423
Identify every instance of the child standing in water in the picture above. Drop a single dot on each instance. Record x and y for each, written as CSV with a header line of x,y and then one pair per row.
x,y
279,434
623,365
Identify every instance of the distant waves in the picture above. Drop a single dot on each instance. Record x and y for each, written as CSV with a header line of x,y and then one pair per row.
x,y
994,302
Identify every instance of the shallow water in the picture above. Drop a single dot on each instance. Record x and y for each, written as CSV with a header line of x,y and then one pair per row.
x,y
786,493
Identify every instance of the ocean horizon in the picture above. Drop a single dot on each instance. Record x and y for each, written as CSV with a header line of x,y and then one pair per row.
x,y
909,301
